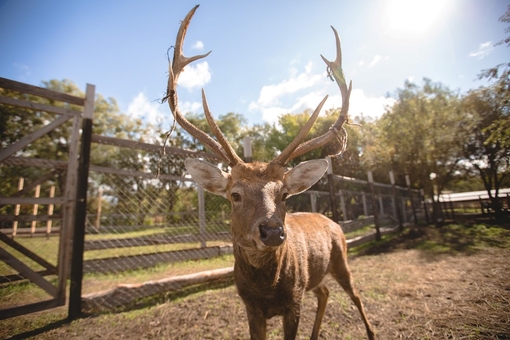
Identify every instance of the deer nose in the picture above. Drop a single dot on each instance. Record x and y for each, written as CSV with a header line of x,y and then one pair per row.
x,y
271,236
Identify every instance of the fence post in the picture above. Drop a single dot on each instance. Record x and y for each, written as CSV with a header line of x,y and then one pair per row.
x,y
364,199
81,207
201,215
332,196
247,149
98,214
50,213
413,207
342,204
34,212
313,201
425,207
395,201
374,206
17,208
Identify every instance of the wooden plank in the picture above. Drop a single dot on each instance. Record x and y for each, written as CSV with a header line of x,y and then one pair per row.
x,y
126,293
66,230
149,147
133,173
30,308
26,104
154,240
28,253
35,162
123,263
40,92
31,200
23,142
29,218
17,277
27,272
34,184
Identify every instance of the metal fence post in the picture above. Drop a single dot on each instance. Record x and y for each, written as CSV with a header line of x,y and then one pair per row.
x,y
248,158
374,206
364,199
332,196
313,201
413,207
201,215
396,205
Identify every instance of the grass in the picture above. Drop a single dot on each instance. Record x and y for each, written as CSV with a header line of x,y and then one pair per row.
x,y
47,248
449,239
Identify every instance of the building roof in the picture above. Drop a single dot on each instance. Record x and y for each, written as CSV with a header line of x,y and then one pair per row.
x,y
471,195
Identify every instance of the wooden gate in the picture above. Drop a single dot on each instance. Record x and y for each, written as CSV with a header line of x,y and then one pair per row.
x,y
15,254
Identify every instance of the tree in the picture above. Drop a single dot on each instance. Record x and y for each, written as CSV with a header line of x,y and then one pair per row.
x,y
487,149
420,135
489,145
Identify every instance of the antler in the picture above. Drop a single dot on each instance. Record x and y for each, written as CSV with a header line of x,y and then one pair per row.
x,y
296,148
223,148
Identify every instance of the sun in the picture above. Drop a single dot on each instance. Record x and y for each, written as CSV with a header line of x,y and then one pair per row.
x,y
413,18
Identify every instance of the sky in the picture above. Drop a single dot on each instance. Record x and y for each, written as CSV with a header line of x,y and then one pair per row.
x,y
265,58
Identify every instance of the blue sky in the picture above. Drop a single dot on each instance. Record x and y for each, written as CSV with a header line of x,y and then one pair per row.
x,y
265,56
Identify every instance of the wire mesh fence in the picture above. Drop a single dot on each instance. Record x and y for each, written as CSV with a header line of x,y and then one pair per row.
x,y
148,222
151,230
357,199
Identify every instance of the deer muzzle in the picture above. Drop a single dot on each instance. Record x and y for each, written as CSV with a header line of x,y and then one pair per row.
x,y
271,236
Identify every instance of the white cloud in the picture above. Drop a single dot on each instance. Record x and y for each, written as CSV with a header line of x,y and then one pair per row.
x,y
141,107
372,107
199,45
283,97
270,97
195,76
483,50
360,103
23,69
376,60
194,107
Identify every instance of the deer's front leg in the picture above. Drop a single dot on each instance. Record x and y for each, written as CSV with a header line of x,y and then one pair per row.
x,y
290,325
257,323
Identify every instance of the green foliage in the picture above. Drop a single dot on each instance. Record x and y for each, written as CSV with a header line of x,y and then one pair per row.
x,y
421,134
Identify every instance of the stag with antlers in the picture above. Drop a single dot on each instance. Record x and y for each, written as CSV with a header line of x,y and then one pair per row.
x,y
278,256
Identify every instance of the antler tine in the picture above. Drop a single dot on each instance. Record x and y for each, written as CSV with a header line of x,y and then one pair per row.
x,y
284,156
175,68
231,154
334,70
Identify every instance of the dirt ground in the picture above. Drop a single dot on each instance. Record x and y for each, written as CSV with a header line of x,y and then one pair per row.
x,y
428,283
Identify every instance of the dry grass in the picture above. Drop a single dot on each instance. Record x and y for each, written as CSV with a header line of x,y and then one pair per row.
x,y
448,283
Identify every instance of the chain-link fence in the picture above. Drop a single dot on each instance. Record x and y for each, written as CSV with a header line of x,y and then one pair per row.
x,y
356,199
148,222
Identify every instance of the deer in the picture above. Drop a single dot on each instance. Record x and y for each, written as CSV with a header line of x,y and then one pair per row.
x,y
278,256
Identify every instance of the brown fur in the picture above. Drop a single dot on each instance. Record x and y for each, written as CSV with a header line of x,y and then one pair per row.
x,y
272,281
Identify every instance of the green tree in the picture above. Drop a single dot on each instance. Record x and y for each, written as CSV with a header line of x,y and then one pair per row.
x,y
487,149
420,135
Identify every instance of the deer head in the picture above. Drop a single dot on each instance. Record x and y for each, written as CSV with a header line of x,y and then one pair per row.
x,y
257,191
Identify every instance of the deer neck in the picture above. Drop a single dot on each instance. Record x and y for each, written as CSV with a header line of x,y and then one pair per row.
x,y
252,261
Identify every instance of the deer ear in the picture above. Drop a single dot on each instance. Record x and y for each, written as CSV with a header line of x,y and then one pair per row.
x,y
208,176
304,175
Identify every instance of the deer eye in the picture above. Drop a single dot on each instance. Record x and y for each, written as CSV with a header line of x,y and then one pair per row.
x,y
284,196
236,197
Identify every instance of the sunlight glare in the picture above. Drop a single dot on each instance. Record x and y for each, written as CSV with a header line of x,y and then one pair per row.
x,y
412,18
